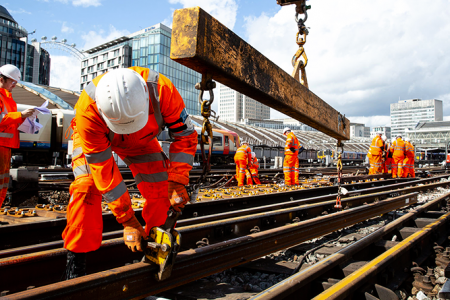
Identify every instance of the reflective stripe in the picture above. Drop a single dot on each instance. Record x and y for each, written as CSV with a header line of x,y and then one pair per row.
x,y
90,90
144,158
152,84
95,158
2,176
185,132
2,115
77,151
155,177
6,135
81,170
182,157
71,199
115,193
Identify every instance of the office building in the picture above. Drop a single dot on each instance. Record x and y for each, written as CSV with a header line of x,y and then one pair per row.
x,y
235,107
32,61
150,48
359,130
406,114
380,129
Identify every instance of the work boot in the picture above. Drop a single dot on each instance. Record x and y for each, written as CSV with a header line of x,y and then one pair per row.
x,y
76,265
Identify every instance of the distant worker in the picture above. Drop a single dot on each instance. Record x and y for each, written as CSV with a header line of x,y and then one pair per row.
x,y
254,169
408,166
10,119
398,155
123,111
291,151
243,159
388,157
375,155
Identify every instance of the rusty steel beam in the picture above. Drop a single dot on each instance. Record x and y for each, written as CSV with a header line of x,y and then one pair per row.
x,y
203,44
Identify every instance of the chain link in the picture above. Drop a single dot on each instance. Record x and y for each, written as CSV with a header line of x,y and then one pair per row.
x,y
207,133
300,39
339,174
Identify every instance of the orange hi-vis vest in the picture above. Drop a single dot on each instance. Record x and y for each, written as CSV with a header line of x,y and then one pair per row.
x,y
255,163
97,141
398,148
10,119
291,142
409,150
244,153
376,148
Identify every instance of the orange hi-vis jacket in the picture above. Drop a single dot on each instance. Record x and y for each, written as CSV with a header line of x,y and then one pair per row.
x,y
398,148
291,142
97,141
409,150
244,153
376,148
10,119
255,164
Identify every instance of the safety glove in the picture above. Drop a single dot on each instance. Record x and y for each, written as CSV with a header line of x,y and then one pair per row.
x,y
132,234
292,149
178,195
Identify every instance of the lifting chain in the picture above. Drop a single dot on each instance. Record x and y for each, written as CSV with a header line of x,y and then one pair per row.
x,y
207,84
300,65
339,173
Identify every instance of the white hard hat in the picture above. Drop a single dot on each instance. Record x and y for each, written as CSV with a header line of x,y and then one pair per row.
x,y
286,129
384,137
11,71
122,99
407,139
399,136
253,154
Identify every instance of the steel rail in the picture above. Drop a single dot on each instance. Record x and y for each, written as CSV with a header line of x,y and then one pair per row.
x,y
371,195
137,280
54,228
293,285
216,231
345,287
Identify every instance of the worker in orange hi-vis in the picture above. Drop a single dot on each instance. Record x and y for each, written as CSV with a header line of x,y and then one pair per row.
x,y
243,159
375,157
408,162
398,155
10,120
123,111
388,157
291,164
254,169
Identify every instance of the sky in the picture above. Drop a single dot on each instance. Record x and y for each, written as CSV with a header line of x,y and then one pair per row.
x,y
362,55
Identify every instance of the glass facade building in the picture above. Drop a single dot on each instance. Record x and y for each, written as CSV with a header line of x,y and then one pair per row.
x,y
33,63
149,48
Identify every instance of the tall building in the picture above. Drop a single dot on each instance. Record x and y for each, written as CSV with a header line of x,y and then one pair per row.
x,y
150,48
236,107
406,114
32,61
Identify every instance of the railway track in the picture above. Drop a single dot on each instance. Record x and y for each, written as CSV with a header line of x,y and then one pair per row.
x,y
378,264
232,237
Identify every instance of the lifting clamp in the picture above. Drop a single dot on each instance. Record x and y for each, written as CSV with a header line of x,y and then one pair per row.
x,y
165,246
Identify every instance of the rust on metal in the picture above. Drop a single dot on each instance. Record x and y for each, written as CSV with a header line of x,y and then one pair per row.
x,y
203,44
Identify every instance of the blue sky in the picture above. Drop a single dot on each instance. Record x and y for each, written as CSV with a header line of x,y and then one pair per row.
x,y
363,55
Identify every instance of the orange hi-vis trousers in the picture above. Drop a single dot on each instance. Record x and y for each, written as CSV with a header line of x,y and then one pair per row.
x,y
83,232
388,164
397,166
408,167
242,173
290,169
5,164
255,176
376,164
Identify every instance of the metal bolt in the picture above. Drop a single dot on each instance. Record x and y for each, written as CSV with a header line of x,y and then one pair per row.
x,y
125,288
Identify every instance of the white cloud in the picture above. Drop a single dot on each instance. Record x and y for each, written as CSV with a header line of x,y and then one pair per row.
x,y
20,11
94,38
223,10
65,72
83,3
65,28
364,55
